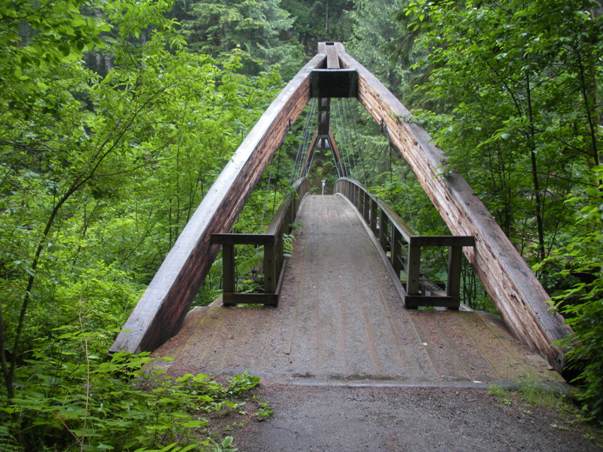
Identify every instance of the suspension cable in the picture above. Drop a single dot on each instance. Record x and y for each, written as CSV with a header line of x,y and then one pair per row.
x,y
304,144
355,138
305,135
278,166
344,142
348,137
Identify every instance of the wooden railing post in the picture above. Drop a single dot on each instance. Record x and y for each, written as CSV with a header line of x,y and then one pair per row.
x,y
278,253
269,267
395,250
382,229
453,286
414,268
228,273
373,215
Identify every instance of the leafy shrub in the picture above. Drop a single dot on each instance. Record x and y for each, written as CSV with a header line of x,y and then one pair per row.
x,y
581,296
72,398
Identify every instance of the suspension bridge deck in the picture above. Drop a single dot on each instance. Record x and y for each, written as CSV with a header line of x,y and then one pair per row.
x,y
340,320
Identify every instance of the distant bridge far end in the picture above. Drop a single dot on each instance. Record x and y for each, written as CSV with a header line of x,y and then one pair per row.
x,y
345,302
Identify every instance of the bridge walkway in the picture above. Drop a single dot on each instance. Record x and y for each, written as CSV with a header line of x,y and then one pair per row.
x,y
340,319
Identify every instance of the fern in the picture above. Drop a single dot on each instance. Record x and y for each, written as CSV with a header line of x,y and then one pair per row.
x,y
8,443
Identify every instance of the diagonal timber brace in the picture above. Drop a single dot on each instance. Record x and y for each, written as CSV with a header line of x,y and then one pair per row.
x,y
517,293
326,141
162,308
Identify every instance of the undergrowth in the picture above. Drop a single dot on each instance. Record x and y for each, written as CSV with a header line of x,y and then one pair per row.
x,y
67,400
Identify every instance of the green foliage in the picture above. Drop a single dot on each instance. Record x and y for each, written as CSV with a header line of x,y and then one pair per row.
x,y
71,396
512,102
500,393
534,393
317,20
577,265
383,44
264,411
256,28
98,174
242,383
510,92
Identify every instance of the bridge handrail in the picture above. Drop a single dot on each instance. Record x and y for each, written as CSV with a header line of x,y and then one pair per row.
x,y
390,230
273,259
405,231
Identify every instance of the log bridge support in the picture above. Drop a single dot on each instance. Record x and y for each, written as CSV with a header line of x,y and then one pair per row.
x,y
161,310
517,293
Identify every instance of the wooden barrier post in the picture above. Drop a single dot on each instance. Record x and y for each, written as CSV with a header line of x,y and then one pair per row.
x,y
228,273
453,286
382,229
373,216
414,268
270,267
395,250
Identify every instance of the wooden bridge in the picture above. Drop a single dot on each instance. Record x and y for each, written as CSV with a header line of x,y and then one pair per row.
x,y
344,301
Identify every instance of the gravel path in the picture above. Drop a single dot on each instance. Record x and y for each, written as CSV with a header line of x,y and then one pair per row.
x,y
331,418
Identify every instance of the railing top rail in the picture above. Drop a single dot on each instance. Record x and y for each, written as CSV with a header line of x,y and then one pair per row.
x,y
241,238
405,231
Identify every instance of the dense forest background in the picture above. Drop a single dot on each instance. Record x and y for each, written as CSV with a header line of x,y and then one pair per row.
x,y
116,116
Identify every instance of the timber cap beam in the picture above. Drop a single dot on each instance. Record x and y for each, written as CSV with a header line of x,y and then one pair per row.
x,y
333,80
333,83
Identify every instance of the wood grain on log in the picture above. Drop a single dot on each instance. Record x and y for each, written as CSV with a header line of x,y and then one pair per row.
x,y
518,295
161,310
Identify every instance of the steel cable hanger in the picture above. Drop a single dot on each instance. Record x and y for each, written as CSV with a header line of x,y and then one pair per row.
x,y
304,140
273,175
345,155
350,139
345,141
355,138
304,144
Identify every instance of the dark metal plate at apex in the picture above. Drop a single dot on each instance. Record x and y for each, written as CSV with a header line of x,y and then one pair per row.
x,y
334,83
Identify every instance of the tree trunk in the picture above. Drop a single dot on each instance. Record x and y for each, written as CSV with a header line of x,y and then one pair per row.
x,y
534,168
